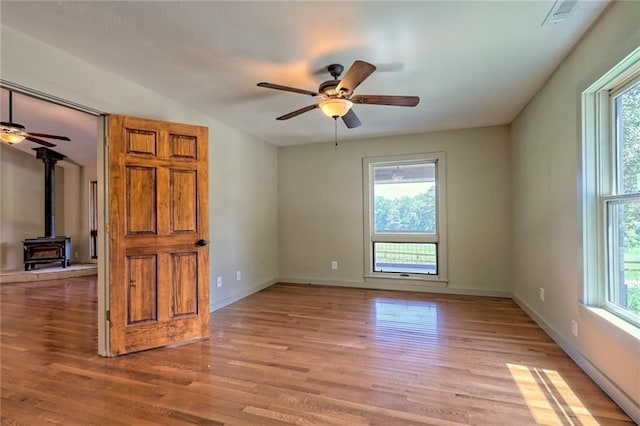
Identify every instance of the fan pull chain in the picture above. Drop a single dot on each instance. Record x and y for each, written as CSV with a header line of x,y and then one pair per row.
x,y
335,125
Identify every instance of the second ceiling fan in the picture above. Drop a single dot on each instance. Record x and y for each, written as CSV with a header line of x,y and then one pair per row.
x,y
12,133
337,94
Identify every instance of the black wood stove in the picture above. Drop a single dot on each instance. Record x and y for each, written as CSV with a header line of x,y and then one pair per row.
x,y
50,248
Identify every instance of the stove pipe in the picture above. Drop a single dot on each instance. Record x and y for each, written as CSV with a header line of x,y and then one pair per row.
x,y
49,158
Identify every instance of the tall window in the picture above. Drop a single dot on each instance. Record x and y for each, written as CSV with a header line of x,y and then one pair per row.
x,y
612,191
93,219
405,221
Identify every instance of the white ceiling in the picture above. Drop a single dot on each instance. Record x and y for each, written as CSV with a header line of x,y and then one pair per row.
x,y
472,63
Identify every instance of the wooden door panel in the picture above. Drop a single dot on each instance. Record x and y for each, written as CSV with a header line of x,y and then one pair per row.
x,y
183,146
142,302
183,201
152,335
184,284
141,141
141,200
158,211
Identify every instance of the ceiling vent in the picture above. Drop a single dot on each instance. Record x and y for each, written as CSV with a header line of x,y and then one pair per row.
x,y
560,11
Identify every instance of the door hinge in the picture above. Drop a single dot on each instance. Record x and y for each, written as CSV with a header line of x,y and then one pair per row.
x,y
108,315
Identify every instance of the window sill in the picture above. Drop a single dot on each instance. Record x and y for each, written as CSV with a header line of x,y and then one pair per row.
x,y
614,325
416,281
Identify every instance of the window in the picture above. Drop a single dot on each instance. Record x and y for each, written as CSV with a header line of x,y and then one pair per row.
x,y
611,214
405,224
93,219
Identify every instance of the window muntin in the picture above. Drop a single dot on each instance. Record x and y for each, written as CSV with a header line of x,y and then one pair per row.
x,y
405,223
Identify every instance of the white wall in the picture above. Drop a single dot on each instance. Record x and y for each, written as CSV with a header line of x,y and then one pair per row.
x,y
244,213
22,214
242,169
22,206
321,208
75,215
71,200
546,209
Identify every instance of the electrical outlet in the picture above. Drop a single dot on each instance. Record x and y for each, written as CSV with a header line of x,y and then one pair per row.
x,y
238,275
76,254
219,282
334,264
574,328
542,294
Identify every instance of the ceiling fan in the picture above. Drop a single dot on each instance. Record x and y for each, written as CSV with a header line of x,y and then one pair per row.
x,y
12,133
337,95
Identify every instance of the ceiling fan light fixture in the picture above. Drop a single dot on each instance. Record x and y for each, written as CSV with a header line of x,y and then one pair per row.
x,y
12,133
336,107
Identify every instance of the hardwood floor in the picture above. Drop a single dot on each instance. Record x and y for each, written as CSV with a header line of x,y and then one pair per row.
x,y
294,354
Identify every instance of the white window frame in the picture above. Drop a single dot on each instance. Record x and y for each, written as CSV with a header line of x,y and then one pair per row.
x,y
599,182
440,236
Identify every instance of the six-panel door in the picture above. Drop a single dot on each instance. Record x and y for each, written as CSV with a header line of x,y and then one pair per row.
x,y
158,218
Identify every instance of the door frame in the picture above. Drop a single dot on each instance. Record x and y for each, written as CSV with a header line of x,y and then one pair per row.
x,y
101,167
103,243
101,163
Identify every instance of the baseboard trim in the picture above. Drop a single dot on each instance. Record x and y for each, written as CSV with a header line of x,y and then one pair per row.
x,y
619,396
408,286
241,295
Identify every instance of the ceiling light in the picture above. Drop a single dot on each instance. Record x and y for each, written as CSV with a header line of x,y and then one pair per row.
x,y
12,133
336,107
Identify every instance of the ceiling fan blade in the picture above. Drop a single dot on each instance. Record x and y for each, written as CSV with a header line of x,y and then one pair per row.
x,y
351,119
40,141
287,88
358,72
298,112
44,135
408,101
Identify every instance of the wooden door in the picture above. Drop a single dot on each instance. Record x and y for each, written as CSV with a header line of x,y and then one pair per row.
x,y
158,233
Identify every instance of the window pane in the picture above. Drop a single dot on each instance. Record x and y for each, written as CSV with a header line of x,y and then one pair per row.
x,y
405,198
624,255
410,258
627,131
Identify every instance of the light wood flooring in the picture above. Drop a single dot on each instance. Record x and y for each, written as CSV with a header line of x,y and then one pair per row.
x,y
294,354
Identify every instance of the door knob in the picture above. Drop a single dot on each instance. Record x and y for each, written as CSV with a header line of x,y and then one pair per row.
x,y
201,243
